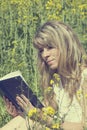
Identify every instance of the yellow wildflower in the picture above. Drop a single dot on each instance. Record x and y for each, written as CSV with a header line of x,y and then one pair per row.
x,y
48,90
79,94
56,77
57,85
47,128
74,10
44,117
86,95
82,6
48,110
50,3
56,126
51,82
32,112
84,57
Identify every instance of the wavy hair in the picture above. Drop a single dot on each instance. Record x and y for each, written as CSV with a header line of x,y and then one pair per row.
x,y
57,34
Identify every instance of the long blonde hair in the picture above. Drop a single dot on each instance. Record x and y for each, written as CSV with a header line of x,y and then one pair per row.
x,y
60,35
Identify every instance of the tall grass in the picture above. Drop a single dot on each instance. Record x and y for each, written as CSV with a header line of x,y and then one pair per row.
x,y
19,20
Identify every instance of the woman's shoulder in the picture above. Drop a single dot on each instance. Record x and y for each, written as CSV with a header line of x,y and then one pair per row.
x,y
84,70
84,73
84,79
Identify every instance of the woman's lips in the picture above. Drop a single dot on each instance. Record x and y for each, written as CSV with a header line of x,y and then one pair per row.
x,y
50,62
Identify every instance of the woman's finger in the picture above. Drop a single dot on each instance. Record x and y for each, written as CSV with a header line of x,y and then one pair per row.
x,y
11,109
28,103
21,102
24,103
25,98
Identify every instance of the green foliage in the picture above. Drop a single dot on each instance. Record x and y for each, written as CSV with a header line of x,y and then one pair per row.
x,y
19,20
4,117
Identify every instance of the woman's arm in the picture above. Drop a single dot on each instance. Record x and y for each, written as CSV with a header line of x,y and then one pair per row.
x,y
17,118
40,116
26,105
49,122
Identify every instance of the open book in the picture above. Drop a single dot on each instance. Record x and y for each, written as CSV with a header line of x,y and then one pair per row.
x,y
13,84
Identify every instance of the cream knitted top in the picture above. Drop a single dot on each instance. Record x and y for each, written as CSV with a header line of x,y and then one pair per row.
x,y
73,112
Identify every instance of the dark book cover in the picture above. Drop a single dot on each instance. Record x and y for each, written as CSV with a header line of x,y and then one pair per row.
x,y
16,85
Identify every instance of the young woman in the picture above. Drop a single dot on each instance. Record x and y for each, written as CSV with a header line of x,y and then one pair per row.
x,y
62,65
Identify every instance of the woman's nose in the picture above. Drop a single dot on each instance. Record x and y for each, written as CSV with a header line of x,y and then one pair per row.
x,y
45,53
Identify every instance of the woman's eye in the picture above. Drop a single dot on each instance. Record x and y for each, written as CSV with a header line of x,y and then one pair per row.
x,y
41,50
50,47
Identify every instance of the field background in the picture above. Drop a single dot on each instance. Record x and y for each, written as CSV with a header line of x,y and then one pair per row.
x,y
19,20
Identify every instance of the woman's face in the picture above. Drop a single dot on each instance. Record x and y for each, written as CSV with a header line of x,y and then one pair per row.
x,y
51,56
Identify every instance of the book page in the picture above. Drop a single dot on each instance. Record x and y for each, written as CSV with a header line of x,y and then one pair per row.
x,y
11,75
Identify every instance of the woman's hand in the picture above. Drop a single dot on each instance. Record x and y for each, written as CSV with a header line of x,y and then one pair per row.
x,y
11,109
24,103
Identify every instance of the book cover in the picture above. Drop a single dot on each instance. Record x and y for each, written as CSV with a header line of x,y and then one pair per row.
x,y
13,84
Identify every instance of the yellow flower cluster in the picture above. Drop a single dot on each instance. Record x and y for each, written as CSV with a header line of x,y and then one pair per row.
x,y
49,4
56,126
82,6
32,112
79,94
56,76
86,95
55,80
47,128
48,90
84,57
51,82
48,111
51,112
